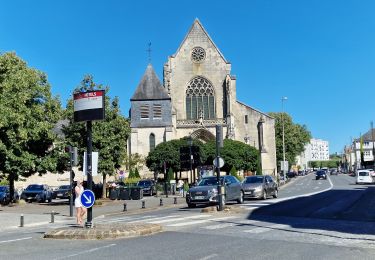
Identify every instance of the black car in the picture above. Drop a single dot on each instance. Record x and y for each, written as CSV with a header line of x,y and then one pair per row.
x,y
148,187
37,192
62,192
291,174
5,195
321,174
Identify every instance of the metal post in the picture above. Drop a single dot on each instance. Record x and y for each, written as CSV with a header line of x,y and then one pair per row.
x,y
53,216
190,155
161,201
125,207
373,145
282,120
165,180
71,182
143,204
218,136
89,170
175,200
21,221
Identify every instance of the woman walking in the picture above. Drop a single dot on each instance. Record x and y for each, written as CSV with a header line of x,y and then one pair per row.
x,y
77,203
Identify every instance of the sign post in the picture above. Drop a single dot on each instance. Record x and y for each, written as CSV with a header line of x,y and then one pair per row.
x,y
89,106
219,144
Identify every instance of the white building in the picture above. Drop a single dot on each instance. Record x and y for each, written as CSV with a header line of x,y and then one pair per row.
x,y
316,150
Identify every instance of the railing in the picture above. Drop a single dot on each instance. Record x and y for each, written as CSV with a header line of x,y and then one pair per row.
x,y
198,123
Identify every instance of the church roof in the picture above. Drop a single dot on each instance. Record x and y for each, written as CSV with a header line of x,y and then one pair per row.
x,y
198,26
243,104
150,87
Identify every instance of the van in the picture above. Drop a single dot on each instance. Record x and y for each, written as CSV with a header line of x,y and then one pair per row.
x,y
364,177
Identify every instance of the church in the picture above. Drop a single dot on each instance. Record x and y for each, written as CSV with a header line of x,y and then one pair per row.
x,y
197,93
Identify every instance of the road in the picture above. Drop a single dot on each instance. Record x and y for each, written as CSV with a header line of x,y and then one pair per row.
x,y
324,219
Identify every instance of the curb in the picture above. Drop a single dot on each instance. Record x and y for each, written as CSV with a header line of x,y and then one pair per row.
x,y
104,231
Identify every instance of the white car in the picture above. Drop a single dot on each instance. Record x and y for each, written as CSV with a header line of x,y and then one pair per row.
x,y
364,177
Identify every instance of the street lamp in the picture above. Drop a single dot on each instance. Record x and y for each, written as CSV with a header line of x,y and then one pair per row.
x,y
282,120
190,143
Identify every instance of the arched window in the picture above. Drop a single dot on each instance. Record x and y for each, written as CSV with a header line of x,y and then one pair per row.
x,y
152,142
200,99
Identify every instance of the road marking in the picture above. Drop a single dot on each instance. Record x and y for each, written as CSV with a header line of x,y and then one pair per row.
x,y
198,222
86,251
259,230
208,257
14,240
151,218
219,226
178,219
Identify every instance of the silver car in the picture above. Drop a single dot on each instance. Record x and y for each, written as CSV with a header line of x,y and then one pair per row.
x,y
206,191
260,186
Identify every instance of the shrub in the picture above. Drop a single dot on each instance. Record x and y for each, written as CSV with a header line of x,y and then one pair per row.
x,y
136,173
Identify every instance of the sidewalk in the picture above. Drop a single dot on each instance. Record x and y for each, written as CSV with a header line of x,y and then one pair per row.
x,y
36,214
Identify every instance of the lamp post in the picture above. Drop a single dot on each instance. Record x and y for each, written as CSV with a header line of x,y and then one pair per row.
x,y
373,144
282,121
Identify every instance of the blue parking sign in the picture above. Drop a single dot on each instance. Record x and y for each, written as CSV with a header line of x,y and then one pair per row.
x,y
87,198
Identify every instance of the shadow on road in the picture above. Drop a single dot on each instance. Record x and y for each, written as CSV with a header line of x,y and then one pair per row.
x,y
349,211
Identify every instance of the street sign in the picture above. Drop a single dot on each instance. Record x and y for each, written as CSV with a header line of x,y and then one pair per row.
x,y
94,163
87,198
284,166
89,105
221,162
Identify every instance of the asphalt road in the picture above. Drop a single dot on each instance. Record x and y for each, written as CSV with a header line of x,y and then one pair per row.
x,y
336,223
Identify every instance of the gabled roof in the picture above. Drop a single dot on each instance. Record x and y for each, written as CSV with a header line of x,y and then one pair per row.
x,y
367,137
243,104
150,87
197,25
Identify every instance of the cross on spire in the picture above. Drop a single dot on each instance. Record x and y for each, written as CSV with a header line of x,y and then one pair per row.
x,y
149,52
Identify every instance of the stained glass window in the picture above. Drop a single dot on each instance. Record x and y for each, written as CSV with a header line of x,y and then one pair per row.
x,y
200,99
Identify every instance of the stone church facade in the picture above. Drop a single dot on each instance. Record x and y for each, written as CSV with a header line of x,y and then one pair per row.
x,y
198,92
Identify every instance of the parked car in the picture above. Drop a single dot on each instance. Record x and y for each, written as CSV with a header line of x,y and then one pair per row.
x,y
291,174
62,192
364,177
148,187
5,195
259,186
205,192
37,192
321,174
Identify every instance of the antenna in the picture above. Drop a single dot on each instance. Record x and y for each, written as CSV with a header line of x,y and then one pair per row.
x,y
149,52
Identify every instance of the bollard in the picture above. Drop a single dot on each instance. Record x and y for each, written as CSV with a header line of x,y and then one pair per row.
x,y
53,216
143,204
175,200
125,207
161,202
21,221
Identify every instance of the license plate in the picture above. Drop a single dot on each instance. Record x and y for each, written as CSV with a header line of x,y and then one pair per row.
x,y
199,197
59,194
248,192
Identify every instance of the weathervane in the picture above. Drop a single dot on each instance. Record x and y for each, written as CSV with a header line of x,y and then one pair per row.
x,y
149,52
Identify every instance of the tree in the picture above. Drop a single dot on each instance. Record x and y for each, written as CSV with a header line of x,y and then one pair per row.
x,y
296,137
109,135
136,173
28,114
235,154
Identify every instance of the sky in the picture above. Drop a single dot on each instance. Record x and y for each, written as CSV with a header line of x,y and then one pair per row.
x,y
319,54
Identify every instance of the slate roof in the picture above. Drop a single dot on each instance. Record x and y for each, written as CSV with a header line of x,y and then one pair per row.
x,y
367,137
150,87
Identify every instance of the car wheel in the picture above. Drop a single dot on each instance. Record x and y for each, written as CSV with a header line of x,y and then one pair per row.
x,y
264,195
191,205
49,200
240,200
276,193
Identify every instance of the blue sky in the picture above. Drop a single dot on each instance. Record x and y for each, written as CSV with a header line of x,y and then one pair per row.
x,y
320,54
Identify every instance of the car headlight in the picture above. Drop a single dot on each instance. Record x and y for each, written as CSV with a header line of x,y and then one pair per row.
x,y
259,188
212,192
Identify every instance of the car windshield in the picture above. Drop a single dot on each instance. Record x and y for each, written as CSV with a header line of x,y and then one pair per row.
x,y
35,187
254,179
3,189
321,172
144,183
64,187
209,181
363,173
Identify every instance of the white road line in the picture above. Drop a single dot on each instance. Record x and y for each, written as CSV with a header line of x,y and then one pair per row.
x,y
198,222
249,208
219,226
208,257
178,219
85,252
259,230
257,204
14,240
152,218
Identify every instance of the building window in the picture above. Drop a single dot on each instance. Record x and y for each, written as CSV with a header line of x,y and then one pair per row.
x,y
198,54
200,99
152,142
246,119
157,110
144,112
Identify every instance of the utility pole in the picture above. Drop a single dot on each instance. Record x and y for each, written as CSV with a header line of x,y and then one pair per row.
x,y
282,119
219,144
89,170
373,144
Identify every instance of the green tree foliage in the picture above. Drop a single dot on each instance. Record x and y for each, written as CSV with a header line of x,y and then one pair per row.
x,y
235,154
234,173
28,114
136,173
131,174
170,175
109,136
296,137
